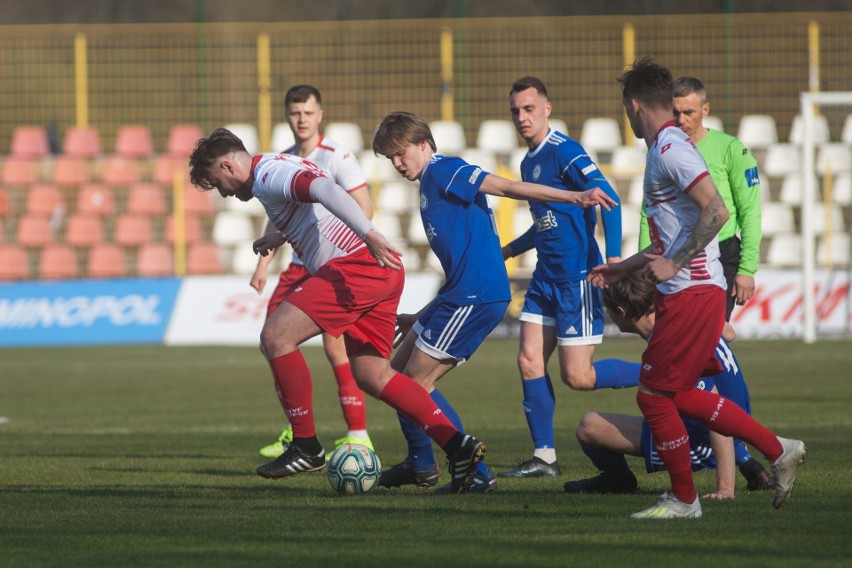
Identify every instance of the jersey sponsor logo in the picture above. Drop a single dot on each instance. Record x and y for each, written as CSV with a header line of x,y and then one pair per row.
x,y
263,179
536,173
751,177
665,148
589,169
701,385
474,175
427,334
571,331
431,233
647,367
424,201
546,223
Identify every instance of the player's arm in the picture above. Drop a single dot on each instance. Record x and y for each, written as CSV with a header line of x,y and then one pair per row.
x,y
726,470
520,245
611,220
502,187
361,195
745,190
258,279
644,232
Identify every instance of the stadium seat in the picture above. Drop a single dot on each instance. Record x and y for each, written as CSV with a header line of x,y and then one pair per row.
x,y
203,258
30,142
252,207
781,159
397,197
19,172
133,230
82,142
282,137
777,219
5,204
791,189
600,134
836,156
832,249
120,171
134,141
84,230
182,139
522,221
628,161
713,123
515,158
57,262
193,232
377,169
636,190
147,199
70,171
155,259
231,228
415,235
44,199
784,250
485,159
846,133
35,231
498,136
841,189
14,263
106,260
198,202
244,260
449,137
757,131
630,217
558,125
388,225
827,218
166,167
821,131
247,133
629,246
96,199
347,134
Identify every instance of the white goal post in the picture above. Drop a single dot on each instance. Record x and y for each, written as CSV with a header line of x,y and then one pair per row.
x,y
809,102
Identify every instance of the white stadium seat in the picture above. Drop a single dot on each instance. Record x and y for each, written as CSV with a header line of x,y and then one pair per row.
x,y
449,137
600,134
757,131
821,132
282,137
347,134
248,134
498,136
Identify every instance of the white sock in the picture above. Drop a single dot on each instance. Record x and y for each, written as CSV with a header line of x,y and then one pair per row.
x,y
547,455
358,434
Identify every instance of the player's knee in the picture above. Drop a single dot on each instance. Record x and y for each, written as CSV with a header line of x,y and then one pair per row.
x,y
530,366
579,380
586,428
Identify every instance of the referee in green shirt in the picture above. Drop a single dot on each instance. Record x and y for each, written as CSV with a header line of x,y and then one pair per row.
x,y
734,171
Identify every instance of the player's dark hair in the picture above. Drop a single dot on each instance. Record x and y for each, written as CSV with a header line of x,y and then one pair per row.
x,y
649,83
208,150
399,129
529,82
301,94
634,294
684,86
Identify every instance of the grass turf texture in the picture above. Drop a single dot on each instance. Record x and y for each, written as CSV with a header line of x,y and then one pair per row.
x,y
130,456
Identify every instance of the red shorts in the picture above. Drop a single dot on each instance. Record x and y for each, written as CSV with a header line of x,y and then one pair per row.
x,y
353,296
289,279
682,348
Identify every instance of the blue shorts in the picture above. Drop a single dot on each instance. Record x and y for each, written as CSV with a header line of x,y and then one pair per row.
x,y
448,331
700,450
573,308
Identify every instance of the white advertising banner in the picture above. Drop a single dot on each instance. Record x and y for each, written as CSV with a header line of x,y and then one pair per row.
x,y
227,311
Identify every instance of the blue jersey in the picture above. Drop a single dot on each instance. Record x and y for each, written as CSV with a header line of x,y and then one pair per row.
x,y
462,233
565,233
731,385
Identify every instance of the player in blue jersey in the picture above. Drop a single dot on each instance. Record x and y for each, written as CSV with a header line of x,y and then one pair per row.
x,y
461,231
562,311
606,438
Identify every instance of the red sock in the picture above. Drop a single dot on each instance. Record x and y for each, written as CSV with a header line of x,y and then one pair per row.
x,y
671,442
723,416
295,391
351,398
408,397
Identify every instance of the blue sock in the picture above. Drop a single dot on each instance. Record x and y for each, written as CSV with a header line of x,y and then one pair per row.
x,y
539,407
609,462
455,419
419,444
741,453
616,374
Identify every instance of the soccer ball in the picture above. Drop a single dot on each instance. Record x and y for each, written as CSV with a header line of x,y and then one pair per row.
x,y
353,469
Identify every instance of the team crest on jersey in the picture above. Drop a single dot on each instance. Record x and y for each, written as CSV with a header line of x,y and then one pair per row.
x,y
424,201
536,173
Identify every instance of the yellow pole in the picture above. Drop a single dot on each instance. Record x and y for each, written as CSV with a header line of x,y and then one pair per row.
x,y
81,81
813,56
628,39
264,99
446,74
505,219
179,223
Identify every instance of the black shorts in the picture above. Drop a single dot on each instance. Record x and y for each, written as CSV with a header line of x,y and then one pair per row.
x,y
729,254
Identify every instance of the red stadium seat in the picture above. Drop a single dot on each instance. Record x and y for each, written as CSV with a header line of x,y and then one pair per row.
x,y
134,141
165,168
182,139
96,199
120,171
70,170
14,263
19,172
35,231
5,203
203,258
82,142
155,259
193,232
106,260
133,230
147,199
58,261
44,200
84,230
30,142
198,202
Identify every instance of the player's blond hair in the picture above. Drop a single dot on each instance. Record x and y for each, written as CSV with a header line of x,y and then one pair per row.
x,y
399,129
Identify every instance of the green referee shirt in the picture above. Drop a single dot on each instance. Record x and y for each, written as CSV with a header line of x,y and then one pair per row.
x,y
734,171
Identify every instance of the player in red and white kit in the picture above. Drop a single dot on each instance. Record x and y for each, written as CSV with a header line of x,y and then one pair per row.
x,y
685,213
354,290
303,107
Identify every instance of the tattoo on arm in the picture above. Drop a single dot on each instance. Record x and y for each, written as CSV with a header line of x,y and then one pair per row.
x,y
709,223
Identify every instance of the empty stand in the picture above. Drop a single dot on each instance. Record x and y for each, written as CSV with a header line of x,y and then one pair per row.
x,y
832,249
147,199
821,132
182,139
14,262
397,197
192,228
449,137
120,171
248,134
377,169
58,261
558,125
757,131
777,219
197,201
282,137
347,134
485,159
231,228
713,123
96,199
134,141
155,259
498,136
166,167
106,260
30,142
44,199
601,134
836,157
5,205
784,250
84,230
70,171
35,231
781,159
846,133
82,142
133,230
203,258
19,171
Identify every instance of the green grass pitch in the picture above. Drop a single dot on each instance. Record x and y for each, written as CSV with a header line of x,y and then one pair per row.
x,y
145,456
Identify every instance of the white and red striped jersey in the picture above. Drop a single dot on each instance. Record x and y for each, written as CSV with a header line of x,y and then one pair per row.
x,y
672,169
337,163
281,184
